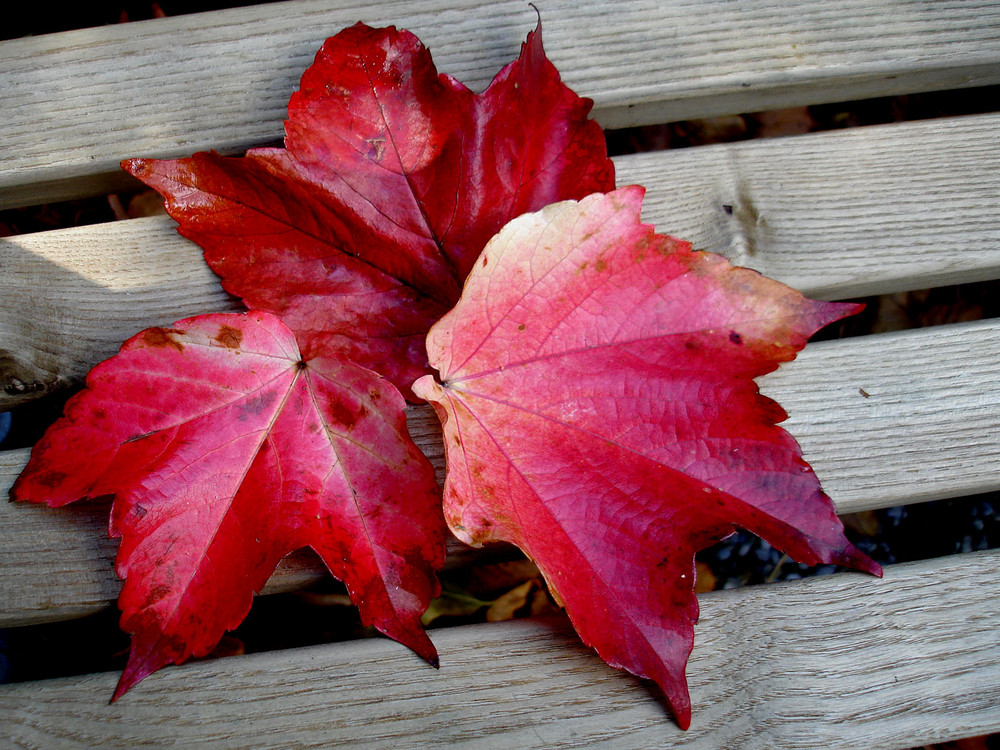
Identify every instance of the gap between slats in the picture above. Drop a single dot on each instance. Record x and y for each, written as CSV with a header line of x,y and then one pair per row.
x,y
932,405
843,661
115,91
840,214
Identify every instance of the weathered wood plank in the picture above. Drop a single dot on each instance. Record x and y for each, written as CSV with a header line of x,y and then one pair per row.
x,y
68,303
841,662
835,214
927,428
842,214
844,661
113,92
926,431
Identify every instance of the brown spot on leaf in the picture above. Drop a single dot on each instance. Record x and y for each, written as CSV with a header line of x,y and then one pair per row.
x,y
521,327
158,337
600,264
159,592
666,245
137,167
51,478
735,338
376,149
229,337
344,416
640,246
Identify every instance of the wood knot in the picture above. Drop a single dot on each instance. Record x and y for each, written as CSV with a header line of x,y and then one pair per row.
x,y
17,387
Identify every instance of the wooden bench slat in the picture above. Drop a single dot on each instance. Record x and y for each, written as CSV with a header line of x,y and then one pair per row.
x,y
841,214
843,661
836,214
926,430
839,662
69,303
933,403
106,93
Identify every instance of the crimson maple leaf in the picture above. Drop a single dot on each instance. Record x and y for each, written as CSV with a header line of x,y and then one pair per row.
x,y
599,411
358,235
225,450
361,231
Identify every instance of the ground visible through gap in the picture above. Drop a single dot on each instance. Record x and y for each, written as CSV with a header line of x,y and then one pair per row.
x,y
502,590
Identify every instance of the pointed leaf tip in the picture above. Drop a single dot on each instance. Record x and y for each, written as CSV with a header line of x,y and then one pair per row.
x,y
225,450
392,180
599,411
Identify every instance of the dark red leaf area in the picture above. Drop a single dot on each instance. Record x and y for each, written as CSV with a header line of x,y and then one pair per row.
x,y
225,450
599,411
361,231
281,248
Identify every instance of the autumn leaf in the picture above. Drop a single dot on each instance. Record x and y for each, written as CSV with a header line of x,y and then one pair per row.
x,y
599,410
596,388
230,441
225,449
361,231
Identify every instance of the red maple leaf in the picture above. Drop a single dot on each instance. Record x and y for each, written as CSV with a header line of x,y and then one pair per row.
x,y
358,235
597,396
361,231
600,412
225,450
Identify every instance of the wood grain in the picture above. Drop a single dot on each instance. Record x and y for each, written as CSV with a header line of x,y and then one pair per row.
x,y
840,214
926,431
840,662
872,210
77,103
68,304
844,661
